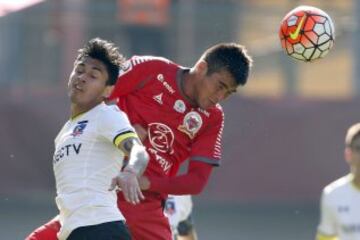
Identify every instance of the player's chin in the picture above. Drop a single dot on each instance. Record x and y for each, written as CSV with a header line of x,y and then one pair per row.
x,y
207,105
73,95
77,98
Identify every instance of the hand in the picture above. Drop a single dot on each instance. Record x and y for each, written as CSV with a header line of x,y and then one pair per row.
x,y
140,131
144,183
127,181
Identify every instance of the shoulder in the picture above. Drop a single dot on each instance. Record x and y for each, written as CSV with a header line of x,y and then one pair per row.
x,y
214,114
150,62
110,112
135,60
337,187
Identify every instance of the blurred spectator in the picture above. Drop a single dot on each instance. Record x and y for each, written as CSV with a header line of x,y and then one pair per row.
x,y
178,208
340,202
145,23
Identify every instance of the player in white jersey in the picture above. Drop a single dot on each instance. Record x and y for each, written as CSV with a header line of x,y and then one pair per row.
x,y
90,148
178,208
340,201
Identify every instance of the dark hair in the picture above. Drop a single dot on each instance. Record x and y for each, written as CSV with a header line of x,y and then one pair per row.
x,y
107,53
352,139
231,57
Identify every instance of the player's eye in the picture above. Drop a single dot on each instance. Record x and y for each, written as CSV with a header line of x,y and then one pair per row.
x,y
95,74
220,86
228,93
79,70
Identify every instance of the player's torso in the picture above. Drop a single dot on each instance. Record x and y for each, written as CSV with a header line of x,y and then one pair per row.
x,y
82,158
346,207
84,163
172,124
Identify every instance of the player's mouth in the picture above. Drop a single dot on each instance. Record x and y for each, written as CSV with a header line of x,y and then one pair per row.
x,y
77,87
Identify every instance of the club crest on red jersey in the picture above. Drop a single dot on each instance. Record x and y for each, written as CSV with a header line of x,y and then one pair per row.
x,y
191,124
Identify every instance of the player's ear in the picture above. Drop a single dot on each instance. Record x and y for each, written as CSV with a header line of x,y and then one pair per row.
x,y
348,155
107,91
201,67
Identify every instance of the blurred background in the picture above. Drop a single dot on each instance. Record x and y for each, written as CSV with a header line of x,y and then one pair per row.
x,y
284,131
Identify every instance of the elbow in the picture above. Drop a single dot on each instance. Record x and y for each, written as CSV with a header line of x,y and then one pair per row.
x,y
198,179
196,192
198,187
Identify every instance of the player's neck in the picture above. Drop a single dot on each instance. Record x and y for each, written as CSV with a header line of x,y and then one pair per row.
x,y
77,110
356,181
184,79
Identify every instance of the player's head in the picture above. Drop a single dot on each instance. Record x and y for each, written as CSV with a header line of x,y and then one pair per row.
x,y
219,71
95,72
352,150
230,57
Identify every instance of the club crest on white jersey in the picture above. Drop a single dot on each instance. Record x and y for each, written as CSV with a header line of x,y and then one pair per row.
x,y
79,128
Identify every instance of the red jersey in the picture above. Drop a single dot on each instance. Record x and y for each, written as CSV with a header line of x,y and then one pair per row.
x,y
148,90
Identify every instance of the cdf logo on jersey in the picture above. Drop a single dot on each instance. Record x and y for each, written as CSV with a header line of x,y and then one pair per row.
x,y
161,137
79,128
191,124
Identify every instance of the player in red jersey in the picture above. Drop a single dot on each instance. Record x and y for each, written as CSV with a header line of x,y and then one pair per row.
x,y
176,112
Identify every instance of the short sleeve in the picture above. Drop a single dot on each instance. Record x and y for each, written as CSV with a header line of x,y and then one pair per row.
x,y
207,146
114,123
135,73
327,224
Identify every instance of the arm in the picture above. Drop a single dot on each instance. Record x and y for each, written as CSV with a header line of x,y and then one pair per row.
x,y
138,157
193,182
127,180
327,226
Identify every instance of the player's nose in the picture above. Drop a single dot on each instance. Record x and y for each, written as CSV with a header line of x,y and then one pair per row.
x,y
82,77
219,96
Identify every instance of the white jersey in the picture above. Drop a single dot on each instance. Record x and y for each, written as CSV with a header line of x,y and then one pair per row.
x,y
84,162
340,210
177,208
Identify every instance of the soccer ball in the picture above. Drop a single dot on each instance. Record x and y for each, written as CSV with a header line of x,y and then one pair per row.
x,y
307,33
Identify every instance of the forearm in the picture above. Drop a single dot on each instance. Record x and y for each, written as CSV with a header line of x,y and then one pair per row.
x,y
138,159
127,179
193,182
